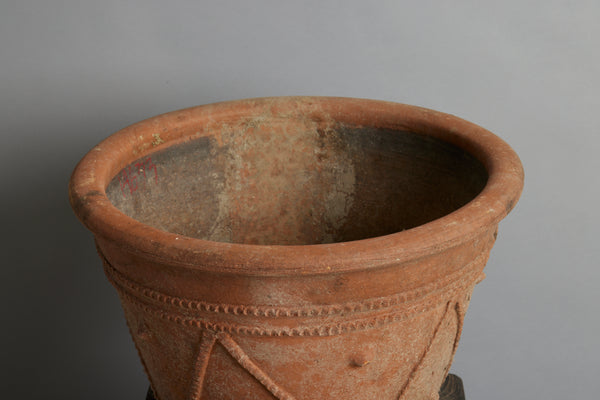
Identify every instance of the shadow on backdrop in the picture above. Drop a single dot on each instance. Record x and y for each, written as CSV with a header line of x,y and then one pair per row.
x,y
66,336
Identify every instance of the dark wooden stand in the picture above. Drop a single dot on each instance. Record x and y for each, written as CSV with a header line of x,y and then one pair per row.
x,y
452,389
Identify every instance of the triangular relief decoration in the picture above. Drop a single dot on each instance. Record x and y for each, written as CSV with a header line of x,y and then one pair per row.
x,y
206,347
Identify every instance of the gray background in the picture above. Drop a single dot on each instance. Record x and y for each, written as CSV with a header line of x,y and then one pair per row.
x,y
73,72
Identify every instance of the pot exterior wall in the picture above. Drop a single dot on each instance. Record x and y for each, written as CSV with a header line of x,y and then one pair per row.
x,y
385,333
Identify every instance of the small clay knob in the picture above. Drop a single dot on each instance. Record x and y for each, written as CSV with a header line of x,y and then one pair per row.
x,y
361,358
143,332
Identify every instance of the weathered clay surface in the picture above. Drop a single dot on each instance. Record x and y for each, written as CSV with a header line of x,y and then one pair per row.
x,y
296,248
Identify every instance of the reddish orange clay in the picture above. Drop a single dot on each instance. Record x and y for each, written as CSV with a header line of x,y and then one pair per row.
x,y
296,247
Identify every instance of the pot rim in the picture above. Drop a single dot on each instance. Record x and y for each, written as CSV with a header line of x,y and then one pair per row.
x,y
87,192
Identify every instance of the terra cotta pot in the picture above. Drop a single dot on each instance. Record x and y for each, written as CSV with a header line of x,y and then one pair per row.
x,y
296,247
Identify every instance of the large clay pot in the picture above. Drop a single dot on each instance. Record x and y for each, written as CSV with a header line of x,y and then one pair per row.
x,y
296,247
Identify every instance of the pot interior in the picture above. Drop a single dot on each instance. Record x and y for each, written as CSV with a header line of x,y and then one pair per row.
x,y
296,182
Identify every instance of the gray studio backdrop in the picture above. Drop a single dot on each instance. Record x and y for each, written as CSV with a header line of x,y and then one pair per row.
x,y
72,72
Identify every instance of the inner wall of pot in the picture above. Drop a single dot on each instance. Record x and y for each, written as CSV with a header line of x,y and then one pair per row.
x,y
298,182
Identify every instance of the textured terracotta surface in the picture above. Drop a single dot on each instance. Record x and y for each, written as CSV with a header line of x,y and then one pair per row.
x,y
296,248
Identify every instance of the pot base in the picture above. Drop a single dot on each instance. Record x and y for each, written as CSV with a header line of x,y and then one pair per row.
x,y
452,389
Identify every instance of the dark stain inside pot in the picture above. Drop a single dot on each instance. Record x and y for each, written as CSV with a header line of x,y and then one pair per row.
x,y
276,182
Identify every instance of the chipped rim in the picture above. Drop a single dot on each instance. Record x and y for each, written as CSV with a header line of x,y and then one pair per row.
x,y
87,192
